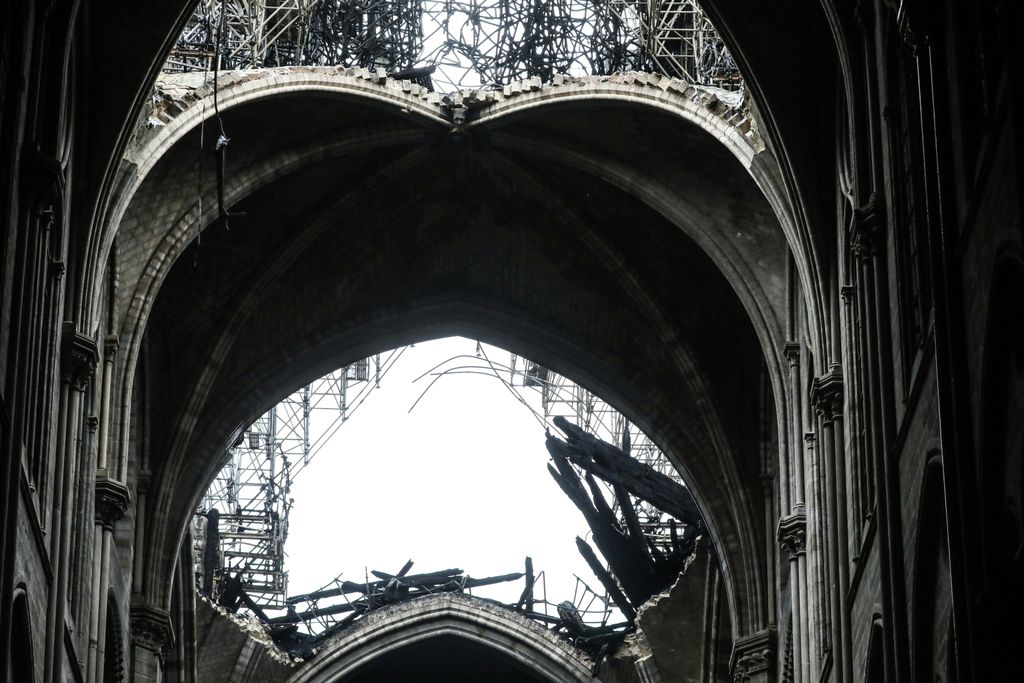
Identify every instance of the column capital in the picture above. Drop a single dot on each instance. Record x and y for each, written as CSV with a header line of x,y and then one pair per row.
x,y
151,629
78,357
110,344
792,532
753,657
112,500
827,394
866,235
792,353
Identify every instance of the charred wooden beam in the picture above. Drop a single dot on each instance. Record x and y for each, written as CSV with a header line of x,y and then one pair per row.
x,y
606,580
629,560
526,598
395,588
491,580
616,467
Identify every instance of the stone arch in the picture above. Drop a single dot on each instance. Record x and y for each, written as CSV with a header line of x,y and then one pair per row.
x,y
20,660
734,129
750,616
502,632
738,550
874,666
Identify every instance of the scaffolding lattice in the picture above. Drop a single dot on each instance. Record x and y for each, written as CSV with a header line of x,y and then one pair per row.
x,y
250,495
451,44
562,397
248,503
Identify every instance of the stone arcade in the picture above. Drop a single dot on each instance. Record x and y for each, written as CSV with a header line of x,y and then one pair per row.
x,y
813,303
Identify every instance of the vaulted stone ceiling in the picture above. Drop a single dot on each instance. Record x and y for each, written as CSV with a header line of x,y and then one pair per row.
x,y
356,226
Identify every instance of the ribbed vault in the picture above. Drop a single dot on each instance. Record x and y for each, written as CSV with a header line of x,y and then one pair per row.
x,y
623,233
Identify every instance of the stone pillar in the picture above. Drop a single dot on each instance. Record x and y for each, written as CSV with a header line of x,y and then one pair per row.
x,y
151,639
854,472
111,502
792,536
112,499
103,447
798,560
79,357
827,395
819,640
865,247
753,658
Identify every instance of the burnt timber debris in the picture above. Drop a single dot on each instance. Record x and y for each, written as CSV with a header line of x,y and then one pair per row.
x,y
639,566
642,559
294,633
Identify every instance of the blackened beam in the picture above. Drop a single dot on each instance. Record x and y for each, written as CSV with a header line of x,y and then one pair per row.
x,y
628,559
445,583
355,587
606,580
417,579
616,467
526,598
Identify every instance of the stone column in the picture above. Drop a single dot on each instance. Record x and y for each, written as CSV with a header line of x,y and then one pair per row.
x,y
151,639
79,357
103,447
793,541
827,394
112,499
797,496
753,658
111,502
865,247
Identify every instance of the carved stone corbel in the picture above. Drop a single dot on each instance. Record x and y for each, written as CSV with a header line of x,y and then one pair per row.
x,y
112,499
78,358
847,293
792,353
792,533
827,395
110,344
151,629
753,657
865,238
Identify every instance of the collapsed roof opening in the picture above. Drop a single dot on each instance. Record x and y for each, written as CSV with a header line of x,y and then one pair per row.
x,y
637,514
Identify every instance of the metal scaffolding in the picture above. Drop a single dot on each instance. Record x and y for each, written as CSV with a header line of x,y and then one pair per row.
x,y
561,397
451,44
241,525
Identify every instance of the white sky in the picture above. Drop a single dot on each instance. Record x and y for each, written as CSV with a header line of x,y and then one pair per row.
x,y
461,481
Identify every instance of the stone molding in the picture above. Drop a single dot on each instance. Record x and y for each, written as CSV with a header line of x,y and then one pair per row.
x,y
754,655
792,533
151,629
112,500
78,358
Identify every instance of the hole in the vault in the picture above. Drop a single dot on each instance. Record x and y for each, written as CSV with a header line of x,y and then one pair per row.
x,y
437,453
